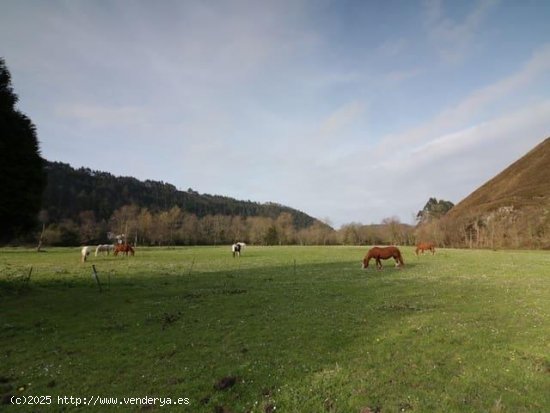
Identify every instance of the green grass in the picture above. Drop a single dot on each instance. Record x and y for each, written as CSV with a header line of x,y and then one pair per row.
x,y
461,331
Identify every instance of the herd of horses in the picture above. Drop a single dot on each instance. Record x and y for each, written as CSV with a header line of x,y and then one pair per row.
x,y
376,253
384,253
106,248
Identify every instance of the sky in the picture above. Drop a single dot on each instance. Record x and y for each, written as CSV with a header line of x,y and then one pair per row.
x,y
351,111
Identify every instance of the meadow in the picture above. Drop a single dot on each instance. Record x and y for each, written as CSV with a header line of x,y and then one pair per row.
x,y
282,329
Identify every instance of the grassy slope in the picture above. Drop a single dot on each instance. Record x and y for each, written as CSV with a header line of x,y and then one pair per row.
x,y
525,183
460,331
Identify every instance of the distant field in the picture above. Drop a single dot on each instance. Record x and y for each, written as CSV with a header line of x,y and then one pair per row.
x,y
282,329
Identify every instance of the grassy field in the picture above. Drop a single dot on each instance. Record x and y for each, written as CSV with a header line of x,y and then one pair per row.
x,y
282,329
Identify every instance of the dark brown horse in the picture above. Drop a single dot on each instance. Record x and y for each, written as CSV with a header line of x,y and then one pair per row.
x,y
383,253
425,246
124,248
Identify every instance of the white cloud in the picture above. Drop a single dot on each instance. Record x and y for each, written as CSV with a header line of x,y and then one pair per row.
x,y
521,129
279,101
101,115
395,77
473,105
339,119
454,40
450,166
392,47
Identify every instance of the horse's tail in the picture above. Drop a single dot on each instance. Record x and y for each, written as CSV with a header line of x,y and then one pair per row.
x,y
416,251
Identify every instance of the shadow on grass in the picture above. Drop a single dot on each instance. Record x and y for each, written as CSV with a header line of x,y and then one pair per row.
x,y
305,336
247,323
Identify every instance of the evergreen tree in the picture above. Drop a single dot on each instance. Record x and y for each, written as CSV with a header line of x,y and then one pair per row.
x,y
22,177
433,209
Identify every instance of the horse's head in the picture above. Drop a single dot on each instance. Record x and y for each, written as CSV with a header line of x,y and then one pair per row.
x,y
364,263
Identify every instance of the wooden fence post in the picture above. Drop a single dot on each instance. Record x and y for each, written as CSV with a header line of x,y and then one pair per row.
x,y
96,277
28,276
191,267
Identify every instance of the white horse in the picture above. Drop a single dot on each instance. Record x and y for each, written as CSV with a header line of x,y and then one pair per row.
x,y
85,251
104,248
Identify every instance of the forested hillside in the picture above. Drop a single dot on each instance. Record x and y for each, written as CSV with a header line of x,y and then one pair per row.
x,y
84,206
70,191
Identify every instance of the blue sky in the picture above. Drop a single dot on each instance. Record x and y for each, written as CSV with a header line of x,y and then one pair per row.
x,y
351,111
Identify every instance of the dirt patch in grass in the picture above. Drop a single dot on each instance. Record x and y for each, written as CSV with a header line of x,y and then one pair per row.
x,y
225,383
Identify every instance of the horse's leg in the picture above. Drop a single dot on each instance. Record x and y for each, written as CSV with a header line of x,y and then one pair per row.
x,y
378,263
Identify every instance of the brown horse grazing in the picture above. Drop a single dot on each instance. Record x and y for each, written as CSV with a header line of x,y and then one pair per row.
x,y
124,248
425,246
383,253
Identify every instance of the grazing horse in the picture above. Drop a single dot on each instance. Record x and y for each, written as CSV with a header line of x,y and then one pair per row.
x,y
236,249
423,246
85,251
104,248
124,248
383,253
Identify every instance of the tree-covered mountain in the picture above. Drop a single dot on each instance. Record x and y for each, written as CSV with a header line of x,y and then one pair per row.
x,y
70,191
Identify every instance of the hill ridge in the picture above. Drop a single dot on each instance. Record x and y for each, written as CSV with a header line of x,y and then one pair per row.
x,y
525,182
70,191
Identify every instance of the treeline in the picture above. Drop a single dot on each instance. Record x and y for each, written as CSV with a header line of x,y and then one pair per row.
x,y
141,226
71,191
176,227
506,227
82,206
527,227
503,228
390,232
